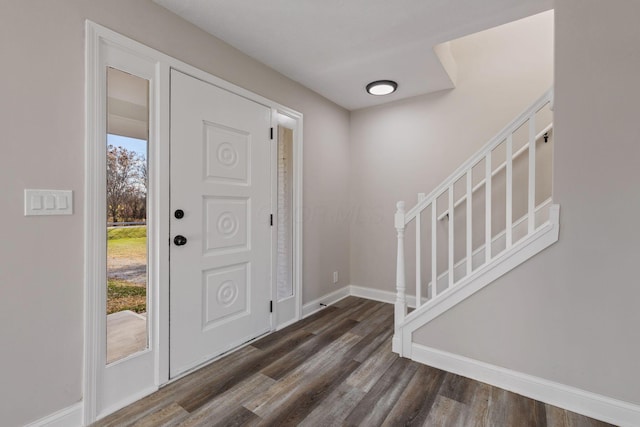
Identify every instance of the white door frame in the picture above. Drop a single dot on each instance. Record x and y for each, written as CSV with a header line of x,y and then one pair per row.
x,y
105,47
282,119
109,387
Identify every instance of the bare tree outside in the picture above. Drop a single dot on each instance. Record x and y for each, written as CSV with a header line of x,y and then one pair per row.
x,y
126,150
126,249
126,185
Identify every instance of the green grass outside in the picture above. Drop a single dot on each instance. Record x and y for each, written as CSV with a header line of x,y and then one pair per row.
x,y
130,248
129,243
126,233
122,296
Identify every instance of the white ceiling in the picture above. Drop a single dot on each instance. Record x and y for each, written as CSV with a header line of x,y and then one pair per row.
x,y
336,47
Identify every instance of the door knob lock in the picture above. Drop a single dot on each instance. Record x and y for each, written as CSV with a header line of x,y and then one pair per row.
x,y
180,240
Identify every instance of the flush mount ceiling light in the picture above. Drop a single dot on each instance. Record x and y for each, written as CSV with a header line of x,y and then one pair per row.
x,y
382,87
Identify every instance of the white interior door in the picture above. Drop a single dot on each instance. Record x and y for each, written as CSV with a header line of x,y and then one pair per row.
x,y
220,282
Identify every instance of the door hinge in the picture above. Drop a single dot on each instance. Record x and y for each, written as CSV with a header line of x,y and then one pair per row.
x,y
271,219
270,306
271,133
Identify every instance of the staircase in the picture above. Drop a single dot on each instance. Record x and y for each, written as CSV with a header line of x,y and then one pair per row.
x,y
492,214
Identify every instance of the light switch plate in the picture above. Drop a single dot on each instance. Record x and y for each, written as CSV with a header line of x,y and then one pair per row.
x,y
48,202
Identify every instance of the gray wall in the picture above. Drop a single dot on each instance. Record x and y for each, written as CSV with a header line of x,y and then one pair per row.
x,y
571,313
411,146
42,118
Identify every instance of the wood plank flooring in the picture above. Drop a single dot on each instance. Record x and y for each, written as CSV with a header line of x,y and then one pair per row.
x,y
334,368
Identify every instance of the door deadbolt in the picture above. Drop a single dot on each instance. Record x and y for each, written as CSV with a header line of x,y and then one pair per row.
x,y
179,214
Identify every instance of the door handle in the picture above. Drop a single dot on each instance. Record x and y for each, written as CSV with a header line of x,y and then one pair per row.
x,y
180,240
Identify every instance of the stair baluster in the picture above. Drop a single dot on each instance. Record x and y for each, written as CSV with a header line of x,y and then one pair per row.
x,y
401,299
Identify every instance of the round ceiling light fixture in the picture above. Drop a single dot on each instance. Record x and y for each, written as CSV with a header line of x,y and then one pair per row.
x,y
382,87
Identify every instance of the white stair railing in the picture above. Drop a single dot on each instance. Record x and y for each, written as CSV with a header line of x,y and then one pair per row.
x,y
403,218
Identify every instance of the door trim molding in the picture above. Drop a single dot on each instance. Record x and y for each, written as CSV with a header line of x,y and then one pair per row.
x,y
283,118
98,37
103,50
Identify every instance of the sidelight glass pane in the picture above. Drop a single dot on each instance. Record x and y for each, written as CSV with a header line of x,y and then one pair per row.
x,y
126,216
284,271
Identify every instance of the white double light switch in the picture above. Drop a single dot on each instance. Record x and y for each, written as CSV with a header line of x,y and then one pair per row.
x,y
48,202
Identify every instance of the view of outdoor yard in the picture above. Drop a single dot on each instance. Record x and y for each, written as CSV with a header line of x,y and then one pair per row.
x,y
127,269
126,214
126,225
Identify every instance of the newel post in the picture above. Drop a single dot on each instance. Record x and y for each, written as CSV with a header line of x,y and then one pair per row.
x,y
401,299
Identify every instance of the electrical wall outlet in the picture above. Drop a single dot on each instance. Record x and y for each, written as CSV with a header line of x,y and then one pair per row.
x,y
335,277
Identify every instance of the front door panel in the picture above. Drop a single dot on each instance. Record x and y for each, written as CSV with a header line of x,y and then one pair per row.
x,y
220,179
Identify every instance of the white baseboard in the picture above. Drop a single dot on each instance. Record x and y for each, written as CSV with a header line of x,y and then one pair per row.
x,y
331,298
350,290
373,294
573,399
67,417
379,295
356,291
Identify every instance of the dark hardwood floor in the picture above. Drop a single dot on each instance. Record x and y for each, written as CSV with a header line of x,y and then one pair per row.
x,y
334,368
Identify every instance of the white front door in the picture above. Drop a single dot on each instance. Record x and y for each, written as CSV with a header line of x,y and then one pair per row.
x,y
220,282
